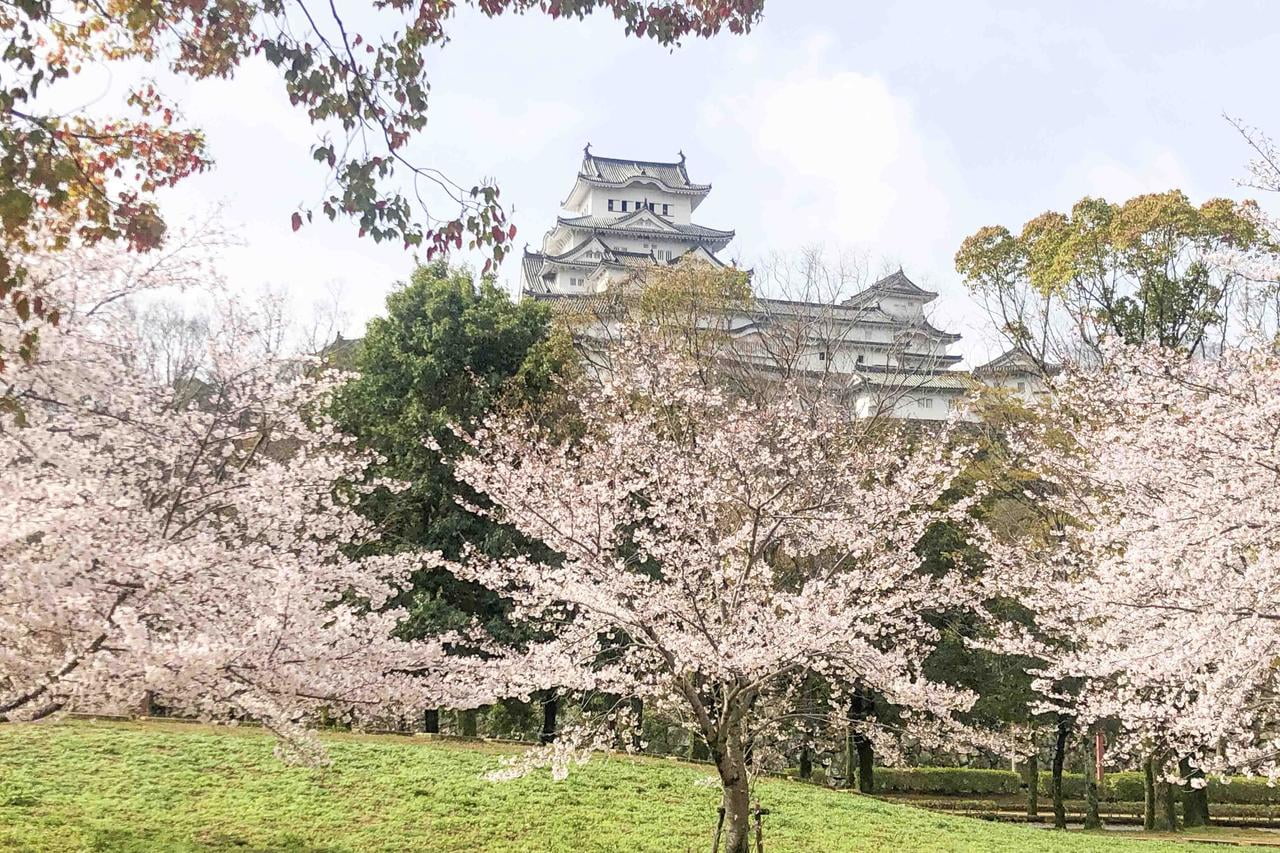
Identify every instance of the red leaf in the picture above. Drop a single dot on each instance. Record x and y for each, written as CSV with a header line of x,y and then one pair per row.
x,y
297,221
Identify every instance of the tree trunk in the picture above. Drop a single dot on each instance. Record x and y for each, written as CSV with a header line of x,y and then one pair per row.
x,y
1148,794
850,756
1170,801
806,763
859,753
467,721
1059,757
1033,786
550,709
431,721
732,765
1091,818
1195,801
637,724
866,765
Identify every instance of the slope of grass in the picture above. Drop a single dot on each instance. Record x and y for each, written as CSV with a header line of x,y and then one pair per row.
x,y
151,786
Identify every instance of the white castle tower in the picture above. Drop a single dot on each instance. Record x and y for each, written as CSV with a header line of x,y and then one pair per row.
x,y
624,215
876,348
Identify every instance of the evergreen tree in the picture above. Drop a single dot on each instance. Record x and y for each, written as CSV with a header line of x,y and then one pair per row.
x,y
447,350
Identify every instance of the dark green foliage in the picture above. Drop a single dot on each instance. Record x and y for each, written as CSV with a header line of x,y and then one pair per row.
x,y
1112,812
446,353
1073,786
946,780
1122,787
1243,790
1002,682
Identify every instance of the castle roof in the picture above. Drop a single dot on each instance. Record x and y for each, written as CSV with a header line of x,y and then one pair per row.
x,y
894,284
536,264
635,222
614,170
854,312
1015,361
671,177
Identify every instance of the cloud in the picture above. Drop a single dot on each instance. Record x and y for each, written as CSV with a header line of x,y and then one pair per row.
x,y
837,157
1154,170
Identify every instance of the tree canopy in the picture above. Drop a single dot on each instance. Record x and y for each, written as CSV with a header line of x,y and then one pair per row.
x,y
1154,269
365,87
446,351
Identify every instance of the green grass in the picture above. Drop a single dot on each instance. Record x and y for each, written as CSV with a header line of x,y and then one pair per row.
x,y
161,787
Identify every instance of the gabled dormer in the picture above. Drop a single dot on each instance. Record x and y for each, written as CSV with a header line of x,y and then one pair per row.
x,y
645,219
895,295
590,251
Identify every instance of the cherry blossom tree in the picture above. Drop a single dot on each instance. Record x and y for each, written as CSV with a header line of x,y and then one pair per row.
x,y
1259,310
1164,572
187,543
713,554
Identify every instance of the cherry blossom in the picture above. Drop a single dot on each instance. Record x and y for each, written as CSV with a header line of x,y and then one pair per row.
x,y
709,552
188,543
1164,573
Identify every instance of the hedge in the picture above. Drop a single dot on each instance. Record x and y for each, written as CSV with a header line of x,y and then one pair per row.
x,y
946,780
1242,790
1130,809
1072,785
1117,787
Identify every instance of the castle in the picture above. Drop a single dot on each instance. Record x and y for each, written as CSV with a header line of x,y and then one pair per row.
x,y
625,217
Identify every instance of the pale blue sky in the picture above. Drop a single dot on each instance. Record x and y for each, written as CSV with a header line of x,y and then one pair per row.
x,y
893,129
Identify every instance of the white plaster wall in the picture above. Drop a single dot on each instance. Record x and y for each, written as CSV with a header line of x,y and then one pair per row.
x,y
1031,385
598,201
908,309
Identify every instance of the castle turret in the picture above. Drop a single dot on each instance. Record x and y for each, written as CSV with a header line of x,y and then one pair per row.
x,y
621,216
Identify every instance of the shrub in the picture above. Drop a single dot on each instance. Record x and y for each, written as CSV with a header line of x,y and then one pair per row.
x,y
1123,787
946,780
1072,785
1247,790
1241,790
1128,787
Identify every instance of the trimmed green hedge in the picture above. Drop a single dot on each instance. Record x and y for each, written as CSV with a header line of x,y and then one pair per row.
x,y
1241,790
1130,809
946,780
1244,789
1072,785
1117,787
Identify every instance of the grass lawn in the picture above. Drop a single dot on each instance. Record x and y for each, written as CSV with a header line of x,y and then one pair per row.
x,y
160,787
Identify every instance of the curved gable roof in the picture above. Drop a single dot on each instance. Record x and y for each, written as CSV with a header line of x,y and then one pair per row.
x,y
615,170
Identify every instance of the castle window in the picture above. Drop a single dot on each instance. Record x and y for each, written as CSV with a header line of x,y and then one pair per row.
x,y
1022,386
666,210
861,358
611,204
926,403
624,207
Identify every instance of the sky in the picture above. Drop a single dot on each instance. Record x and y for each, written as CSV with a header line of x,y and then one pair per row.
x,y
889,131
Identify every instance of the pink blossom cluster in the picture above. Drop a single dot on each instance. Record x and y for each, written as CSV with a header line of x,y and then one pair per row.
x,y
190,545
708,552
1158,586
